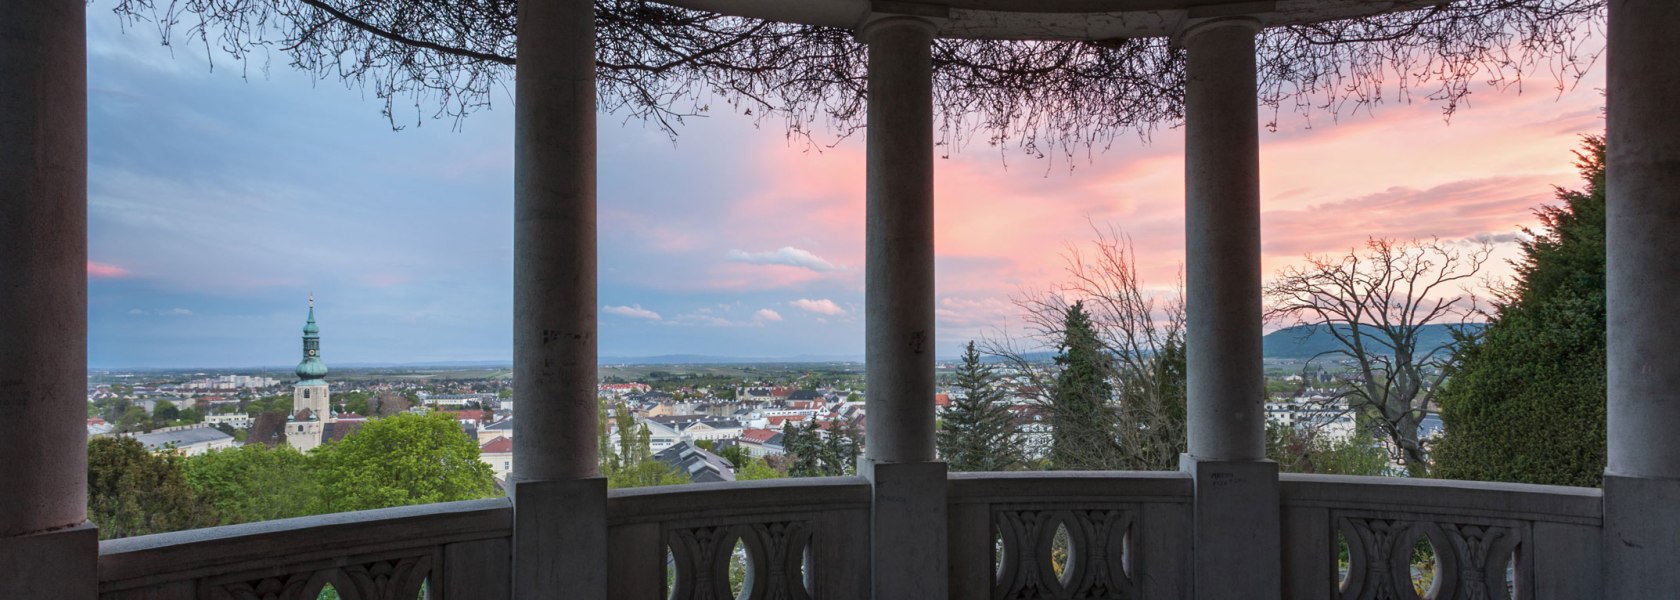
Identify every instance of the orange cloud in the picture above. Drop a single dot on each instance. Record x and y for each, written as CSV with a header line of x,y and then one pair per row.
x,y
97,270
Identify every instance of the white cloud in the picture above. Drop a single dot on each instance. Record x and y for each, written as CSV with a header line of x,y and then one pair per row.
x,y
634,311
173,312
765,315
822,306
786,255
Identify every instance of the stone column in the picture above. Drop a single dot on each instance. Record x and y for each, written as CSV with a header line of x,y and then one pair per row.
x,y
559,498
1642,479
1236,506
47,549
908,533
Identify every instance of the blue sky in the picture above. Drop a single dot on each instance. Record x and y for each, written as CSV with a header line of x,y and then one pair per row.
x,y
221,196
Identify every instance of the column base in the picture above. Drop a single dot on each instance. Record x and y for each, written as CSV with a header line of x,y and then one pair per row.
x,y
909,531
63,563
1641,537
1237,532
560,539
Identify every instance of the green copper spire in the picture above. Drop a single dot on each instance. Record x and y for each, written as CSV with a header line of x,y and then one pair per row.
x,y
311,370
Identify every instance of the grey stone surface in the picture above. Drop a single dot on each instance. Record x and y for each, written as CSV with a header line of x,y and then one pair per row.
x,y
1642,186
50,565
1164,561
1225,385
898,295
477,569
908,533
1236,536
560,539
1309,572
1641,537
971,551
43,266
636,562
554,297
1566,562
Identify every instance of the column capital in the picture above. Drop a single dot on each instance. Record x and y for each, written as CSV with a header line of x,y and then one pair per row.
x,y
877,22
1192,27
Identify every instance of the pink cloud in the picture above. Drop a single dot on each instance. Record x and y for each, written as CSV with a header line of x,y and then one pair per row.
x,y
98,270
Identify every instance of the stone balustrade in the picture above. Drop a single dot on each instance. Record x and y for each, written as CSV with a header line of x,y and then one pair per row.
x,y
1489,540
451,550
1012,535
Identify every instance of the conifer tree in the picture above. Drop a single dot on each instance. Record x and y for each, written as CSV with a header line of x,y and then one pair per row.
x,y
1526,400
1082,415
977,432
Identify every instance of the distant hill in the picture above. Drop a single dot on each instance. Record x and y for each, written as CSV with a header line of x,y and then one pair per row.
x,y
1306,341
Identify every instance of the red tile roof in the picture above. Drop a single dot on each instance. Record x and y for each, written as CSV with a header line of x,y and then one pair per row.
x,y
757,436
500,445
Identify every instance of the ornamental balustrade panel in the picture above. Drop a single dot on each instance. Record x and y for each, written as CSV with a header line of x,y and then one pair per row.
x,y
790,539
1363,538
1017,536
447,551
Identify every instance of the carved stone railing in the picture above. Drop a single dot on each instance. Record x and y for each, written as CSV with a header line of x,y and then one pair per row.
x,y
783,539
1489,540
452,551
1123,535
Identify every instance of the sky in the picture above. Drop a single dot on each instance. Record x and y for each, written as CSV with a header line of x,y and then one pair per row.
x,y
221,195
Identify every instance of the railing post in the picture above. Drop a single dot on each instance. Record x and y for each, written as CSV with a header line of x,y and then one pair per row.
x,y
560,527
908,532
47,548
1642,184
1237,539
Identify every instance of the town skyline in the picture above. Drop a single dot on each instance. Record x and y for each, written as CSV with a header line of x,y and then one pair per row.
x,y
217,202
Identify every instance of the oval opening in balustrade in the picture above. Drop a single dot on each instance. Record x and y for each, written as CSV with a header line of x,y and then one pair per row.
x,y
670,574
1511,575
997,555
1061,554
740,572
1423,568
328,592
805,571
1344,559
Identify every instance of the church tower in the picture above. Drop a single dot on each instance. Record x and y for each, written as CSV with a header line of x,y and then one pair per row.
x,y
311,400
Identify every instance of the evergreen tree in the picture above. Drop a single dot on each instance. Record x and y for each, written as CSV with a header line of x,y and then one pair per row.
x,y
841,447
805,449
132,491
977,432
1082,416
1526,400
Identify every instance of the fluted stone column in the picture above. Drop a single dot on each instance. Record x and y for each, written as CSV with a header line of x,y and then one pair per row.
x,y
47,550
1642,185
908,533
559,498
1236,540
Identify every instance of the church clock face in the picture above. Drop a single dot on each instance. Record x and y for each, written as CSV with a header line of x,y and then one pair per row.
x,y
312,352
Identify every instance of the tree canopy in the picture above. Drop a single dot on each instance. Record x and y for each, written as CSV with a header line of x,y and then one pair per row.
x,y
401,460
977,432
132,491
258,483
664,63
1526,401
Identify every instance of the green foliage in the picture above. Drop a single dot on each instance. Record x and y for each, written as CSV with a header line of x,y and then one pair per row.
x,y
755,468
257,483
645,473
132,491
812,453
354,401
977,432
1299,451
402,460
1081,411
165,411
1526,401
